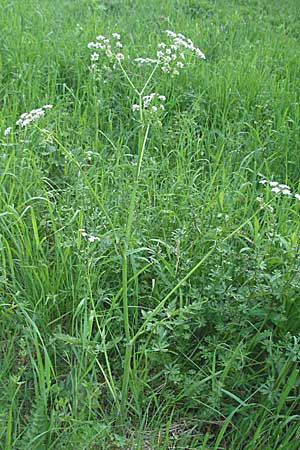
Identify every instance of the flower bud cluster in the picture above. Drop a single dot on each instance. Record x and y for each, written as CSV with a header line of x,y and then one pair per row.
x,y
26,118
110,47
153,103
278,188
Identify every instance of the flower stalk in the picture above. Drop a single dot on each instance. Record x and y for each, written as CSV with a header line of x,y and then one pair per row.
x,y
125,263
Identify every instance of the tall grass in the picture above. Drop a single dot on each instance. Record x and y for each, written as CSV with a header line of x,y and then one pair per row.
x,y
149,283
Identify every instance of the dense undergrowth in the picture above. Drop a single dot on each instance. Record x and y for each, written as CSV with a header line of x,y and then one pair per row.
x,y
149,275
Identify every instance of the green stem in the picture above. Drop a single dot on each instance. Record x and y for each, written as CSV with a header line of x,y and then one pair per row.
x,y
128,79
129,343
127,360
149,79
133,195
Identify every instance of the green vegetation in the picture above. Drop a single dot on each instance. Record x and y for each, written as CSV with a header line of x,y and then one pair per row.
x,y
149,276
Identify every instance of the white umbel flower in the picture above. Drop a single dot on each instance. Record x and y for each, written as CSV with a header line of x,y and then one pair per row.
x,y
109,47
89,237
276,190
94,57
152,103
279,188
26,118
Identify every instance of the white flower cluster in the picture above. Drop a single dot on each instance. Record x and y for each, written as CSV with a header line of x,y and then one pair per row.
x,y
89,237
7,131
181,41
26,118
153,103
278,188
110,47
145,61
171,57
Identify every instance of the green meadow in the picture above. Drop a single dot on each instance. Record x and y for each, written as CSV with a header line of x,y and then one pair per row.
x,y
149,225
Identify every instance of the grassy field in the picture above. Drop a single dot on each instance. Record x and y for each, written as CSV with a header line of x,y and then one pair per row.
x,y
150,246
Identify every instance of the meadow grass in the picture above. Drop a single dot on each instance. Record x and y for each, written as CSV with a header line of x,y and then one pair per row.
x,y
149,282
